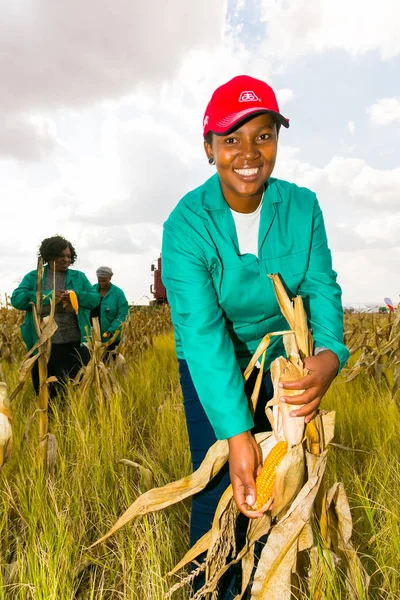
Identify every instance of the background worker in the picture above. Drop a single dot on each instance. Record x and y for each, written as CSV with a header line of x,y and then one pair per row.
x,y
113,308
68,351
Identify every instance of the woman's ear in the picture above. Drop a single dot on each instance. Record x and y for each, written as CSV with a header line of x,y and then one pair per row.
x,y
208,149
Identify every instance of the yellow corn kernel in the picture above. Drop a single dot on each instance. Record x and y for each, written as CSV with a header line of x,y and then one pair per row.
x,y
266,479
73,298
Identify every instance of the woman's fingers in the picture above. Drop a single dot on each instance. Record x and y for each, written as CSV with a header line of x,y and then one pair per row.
x,y
307,409
244,462
245,497
300,384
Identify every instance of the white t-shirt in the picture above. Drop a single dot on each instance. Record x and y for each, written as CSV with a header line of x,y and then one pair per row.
x,y
247,226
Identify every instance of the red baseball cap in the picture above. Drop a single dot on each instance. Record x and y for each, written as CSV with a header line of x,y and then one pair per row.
x,y
236,100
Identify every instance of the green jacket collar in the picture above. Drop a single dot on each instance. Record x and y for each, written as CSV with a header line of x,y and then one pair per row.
x,y
215,201
110,291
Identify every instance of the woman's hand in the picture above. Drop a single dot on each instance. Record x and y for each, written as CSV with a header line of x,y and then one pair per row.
x,y
323,370
244,465
62,295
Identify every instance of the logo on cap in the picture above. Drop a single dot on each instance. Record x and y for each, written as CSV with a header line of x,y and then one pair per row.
x,y
248,96
205,122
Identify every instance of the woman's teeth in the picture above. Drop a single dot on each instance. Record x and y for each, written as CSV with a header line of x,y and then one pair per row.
x,y
247,172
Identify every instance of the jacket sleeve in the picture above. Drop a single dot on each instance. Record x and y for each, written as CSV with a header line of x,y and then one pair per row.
x,y
87,296
322,295
122,312
206,344
25,293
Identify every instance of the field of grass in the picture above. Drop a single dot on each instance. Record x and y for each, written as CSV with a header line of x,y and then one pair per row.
x,y
48,521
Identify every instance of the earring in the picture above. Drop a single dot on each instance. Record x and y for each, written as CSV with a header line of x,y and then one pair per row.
x,y
211,161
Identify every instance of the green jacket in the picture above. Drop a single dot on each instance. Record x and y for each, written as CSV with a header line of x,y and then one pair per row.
x,y
223,303
25,293
113,309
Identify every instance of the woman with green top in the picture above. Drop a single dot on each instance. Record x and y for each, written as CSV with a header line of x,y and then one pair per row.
x,y
68,351
113,308
219,245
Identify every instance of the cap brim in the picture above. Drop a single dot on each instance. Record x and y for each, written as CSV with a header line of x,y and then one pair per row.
x,y
232,121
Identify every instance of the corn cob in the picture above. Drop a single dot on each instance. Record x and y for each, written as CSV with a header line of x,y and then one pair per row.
x,y
5,425
266,479
73,298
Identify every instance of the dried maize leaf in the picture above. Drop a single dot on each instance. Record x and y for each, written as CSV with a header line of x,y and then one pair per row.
x,y
257,386
96,332
210,539
291,348
219,512
306,538
278,558
49,328
223,542
23,374
174,492
262,347
340,529
290,476
256,530
39,279
146,476
202,545
284,302
267,443
325,425
337,500
301,328
312,438
277,583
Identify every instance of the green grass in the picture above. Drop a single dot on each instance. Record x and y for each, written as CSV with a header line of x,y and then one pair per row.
x,y
47,522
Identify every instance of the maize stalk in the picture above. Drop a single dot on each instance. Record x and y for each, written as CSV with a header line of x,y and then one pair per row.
x,y
293,498
5,425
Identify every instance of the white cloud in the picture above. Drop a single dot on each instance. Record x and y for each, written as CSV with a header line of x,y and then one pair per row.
x,y
26,137
385,112
284,96
351,127
73,54
362,182
113,114
360,26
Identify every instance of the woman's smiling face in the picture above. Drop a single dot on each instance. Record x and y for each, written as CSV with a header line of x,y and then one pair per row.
x,y
245,160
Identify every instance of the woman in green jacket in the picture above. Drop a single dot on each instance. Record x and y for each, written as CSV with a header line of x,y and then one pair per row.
x,y
219,245
68,351
113,308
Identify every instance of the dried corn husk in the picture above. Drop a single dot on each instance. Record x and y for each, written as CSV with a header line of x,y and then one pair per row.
x,y
5,425
96,375
299,494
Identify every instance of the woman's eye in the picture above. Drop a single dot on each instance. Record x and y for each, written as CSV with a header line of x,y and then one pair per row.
x,y
230,140
264,136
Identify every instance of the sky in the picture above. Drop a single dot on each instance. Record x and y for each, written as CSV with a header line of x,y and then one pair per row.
x,y
101,108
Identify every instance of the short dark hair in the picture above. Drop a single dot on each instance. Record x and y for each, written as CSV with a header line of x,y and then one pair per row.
x,y
52,247
209,135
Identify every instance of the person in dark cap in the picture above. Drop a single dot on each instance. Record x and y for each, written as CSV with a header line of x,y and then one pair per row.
x,y
113,308
219,245
68,350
